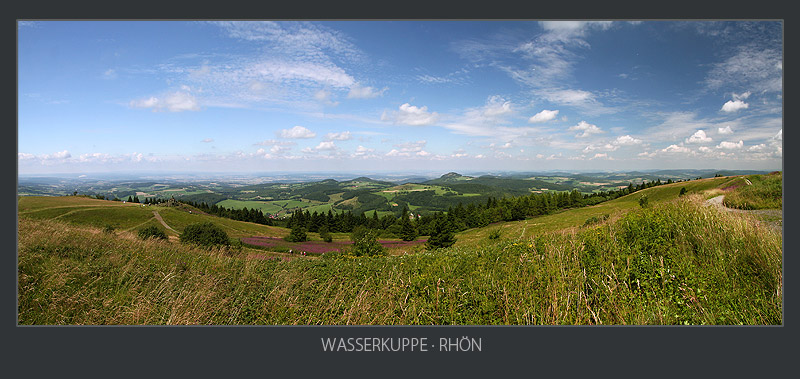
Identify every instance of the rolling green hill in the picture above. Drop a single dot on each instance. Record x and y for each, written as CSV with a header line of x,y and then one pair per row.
x,y
85,211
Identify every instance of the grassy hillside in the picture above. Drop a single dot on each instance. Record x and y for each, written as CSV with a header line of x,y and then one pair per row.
x,y
83,211
577,217
762,192
674,263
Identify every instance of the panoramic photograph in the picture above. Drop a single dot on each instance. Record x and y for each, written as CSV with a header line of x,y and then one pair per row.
x,y
454,172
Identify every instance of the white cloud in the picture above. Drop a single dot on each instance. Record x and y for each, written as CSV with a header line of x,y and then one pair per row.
x,y
411,115
173,102
58,155
704,149
753,66
730,145
734,106
698,137
423,153
626,140
759,147
343,136
272,142
297,132
506,145
207,140
676,149
543,116
496,106
363,151
326,145
324,96
571,29
587,128
25,156
359,92
601,156
741,96
412,146
278,149
725,130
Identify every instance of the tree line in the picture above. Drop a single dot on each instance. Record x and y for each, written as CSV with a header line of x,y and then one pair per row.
x,y
409,225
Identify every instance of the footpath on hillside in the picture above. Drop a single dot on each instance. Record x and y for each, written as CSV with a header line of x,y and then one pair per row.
x,y
161,220
772,217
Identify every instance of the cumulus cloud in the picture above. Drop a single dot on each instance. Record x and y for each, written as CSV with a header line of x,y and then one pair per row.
x,y
272,142
178,101
343,136
676,149
359,92
411,115
543,116
587,129
326,145
297,132
734,106
725,130
626,140
698,137
730,145
601,156
362,151
408,148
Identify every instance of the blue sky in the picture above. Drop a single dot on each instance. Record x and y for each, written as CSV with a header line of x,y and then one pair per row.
x,y
101,96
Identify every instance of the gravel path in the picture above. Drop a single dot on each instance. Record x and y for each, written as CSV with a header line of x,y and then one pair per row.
x,y
772,217
161,220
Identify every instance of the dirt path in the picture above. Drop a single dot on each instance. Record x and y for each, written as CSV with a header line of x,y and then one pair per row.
x,y
772,217
161,220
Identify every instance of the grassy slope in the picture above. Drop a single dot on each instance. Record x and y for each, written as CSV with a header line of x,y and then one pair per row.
x,y
765,192
674,263
99,213
576,217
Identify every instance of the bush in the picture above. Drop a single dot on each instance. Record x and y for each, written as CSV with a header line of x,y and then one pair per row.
x,y
324,234
151,231
298,234
442,235
109,229
643,201
205,234
494,234
365,243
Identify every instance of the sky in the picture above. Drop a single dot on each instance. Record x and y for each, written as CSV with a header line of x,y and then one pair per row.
x,y
263,96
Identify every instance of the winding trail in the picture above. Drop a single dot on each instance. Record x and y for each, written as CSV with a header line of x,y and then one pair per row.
x,y
161,220
772,217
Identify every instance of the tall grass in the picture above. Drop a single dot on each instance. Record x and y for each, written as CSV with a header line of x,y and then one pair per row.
x,y
766,192
672,263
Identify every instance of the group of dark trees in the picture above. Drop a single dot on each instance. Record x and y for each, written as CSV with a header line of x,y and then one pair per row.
x,y
244,214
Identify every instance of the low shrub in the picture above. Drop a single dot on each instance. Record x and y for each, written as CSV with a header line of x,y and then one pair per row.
x,y
205,234
151,231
